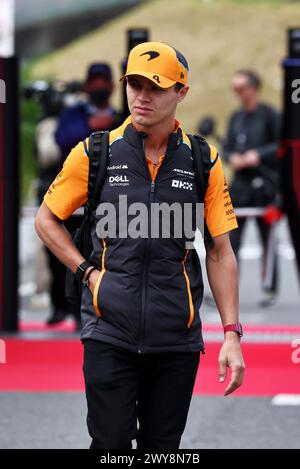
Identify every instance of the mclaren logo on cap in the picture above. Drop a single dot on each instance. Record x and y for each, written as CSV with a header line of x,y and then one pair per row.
x,y
152,53
156,77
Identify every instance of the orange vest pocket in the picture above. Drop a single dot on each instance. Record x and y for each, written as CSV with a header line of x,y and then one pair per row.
x,y
188,285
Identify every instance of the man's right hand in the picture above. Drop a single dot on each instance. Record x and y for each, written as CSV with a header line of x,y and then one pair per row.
x,y
93,280
236,160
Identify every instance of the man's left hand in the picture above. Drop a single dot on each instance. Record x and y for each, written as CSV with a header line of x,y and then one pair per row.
x,y
231,356
251,159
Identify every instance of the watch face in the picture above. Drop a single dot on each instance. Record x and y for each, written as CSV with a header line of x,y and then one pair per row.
x,y
240,329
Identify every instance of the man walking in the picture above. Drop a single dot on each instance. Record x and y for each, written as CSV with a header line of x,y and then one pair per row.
x,y
141,328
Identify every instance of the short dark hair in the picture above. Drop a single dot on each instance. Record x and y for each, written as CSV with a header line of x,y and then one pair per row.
x,y
252,77
178,86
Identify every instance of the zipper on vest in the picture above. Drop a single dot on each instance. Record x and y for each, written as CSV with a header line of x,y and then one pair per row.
x,y
145,273
145,267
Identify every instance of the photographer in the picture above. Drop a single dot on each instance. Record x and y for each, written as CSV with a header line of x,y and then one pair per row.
x,y
75,124
79,121
50,161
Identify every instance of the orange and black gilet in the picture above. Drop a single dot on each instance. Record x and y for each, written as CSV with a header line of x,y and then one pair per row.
x,y
150,289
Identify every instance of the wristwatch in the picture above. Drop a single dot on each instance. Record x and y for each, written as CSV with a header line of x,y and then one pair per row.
x,y
85,282
81,270
234,327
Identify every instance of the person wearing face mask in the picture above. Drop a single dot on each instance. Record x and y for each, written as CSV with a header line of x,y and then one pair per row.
x,y
74,125
77,122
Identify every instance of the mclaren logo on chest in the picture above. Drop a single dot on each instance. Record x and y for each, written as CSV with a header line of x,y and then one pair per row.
x,y
182,185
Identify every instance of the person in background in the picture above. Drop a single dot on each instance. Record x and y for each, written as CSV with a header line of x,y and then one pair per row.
x,y
76,123
49,162
250,148
79,121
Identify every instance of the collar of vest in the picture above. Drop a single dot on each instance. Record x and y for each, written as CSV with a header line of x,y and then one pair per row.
x,y
135,138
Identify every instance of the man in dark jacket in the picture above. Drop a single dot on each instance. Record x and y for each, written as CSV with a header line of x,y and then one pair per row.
x,y
250,149
79,121
140,303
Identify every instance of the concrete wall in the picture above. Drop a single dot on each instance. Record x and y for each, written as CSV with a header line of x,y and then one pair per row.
x,y
44,26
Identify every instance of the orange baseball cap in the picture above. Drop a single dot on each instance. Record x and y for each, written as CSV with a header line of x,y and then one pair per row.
x,y
158,62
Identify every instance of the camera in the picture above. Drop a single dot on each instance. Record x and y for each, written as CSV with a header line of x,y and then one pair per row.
x,y
53,96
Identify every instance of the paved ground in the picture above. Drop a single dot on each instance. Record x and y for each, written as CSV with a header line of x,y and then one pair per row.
x,y
57,420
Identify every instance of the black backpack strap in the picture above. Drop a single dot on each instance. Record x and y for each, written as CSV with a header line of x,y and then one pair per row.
x,y
202,166
98,160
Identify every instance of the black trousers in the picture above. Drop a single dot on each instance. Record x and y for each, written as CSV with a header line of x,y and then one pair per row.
x,y
264,229
124,387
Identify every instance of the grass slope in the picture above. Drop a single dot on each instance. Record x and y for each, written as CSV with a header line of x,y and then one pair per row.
x,y
217,37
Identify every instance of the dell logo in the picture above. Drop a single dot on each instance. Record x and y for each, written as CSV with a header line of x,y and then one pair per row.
x,y
118,179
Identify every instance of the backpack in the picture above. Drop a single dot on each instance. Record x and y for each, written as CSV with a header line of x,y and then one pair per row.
x,y
98,151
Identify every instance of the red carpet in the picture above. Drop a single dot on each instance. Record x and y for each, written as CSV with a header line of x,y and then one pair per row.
x,y
269,371
55,365
42,365
38,326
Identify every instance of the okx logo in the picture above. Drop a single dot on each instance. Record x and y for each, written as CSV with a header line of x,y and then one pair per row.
x,y
182,184
2,92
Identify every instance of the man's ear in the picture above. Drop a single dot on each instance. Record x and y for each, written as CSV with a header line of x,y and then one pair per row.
x,y
182,93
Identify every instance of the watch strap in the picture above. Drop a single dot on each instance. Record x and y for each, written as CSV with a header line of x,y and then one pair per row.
x,y
237,327
86,280
81,270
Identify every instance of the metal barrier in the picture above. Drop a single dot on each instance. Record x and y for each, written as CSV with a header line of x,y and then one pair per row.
x,y
272,244
32,211
247,212
240,212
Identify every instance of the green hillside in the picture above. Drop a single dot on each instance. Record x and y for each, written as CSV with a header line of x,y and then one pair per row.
x,y
217,37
